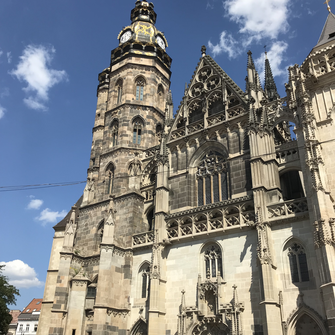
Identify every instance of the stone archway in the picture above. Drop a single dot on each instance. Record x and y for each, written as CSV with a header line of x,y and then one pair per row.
x,y
306,325
140,328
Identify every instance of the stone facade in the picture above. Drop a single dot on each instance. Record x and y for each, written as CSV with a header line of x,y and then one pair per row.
x,y
218,220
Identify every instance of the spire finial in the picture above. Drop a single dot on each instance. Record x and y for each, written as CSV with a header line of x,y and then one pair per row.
x,y
266,53
328,7
203,51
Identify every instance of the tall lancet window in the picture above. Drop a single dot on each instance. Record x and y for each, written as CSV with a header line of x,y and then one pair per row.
x,y
212,178
298,263
115,133
109,178
213,261
140,83
144,276
137,131
119,86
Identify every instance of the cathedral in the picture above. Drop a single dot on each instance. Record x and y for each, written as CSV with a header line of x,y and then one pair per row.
x,y
216,220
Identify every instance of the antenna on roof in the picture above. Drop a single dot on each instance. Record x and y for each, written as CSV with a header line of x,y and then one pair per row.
x,y
328,7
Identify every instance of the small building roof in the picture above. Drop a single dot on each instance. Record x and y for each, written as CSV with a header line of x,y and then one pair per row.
x,y
15,314
34,306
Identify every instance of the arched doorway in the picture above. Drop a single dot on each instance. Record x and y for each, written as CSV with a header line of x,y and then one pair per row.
x,y
139,328
306,325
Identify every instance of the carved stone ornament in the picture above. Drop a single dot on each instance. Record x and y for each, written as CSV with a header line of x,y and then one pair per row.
x,y
207,286
115,312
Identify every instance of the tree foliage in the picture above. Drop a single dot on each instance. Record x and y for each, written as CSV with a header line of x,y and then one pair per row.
x,y
7,297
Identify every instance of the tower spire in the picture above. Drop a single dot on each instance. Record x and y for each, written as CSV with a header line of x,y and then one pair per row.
x,y
269,85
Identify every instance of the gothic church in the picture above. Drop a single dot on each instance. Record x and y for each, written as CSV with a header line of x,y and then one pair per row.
x,y
213,221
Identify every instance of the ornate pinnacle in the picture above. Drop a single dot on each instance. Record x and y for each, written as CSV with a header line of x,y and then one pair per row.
x,y
203,51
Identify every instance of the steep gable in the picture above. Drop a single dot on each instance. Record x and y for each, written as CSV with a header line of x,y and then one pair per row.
x,y
211,97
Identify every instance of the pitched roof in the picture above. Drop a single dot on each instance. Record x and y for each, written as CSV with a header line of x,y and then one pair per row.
x,y
62,224
34,306
328,31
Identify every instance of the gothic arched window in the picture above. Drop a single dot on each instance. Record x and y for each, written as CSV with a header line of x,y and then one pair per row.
x,y
212,259
140,83
144,275
212,178
119,86
137,131
298,263
115,132
109,178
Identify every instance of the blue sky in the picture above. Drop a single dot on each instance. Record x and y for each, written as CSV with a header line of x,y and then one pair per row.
x,y
51,53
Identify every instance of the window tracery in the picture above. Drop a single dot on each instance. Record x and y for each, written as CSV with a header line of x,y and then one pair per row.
x,y
140,83
212,182
298,263
144,277
137,131
213,261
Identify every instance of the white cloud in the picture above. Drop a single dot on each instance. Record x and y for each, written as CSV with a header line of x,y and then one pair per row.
x,y
276,56
1,52
48,216
2,112
257,19
34,69
227,44
9,57
35,203
20,275
33,103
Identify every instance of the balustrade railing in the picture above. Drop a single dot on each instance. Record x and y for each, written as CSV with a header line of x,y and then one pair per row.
x,y
216,118
177,133
143,238
288,208
193,127
218,219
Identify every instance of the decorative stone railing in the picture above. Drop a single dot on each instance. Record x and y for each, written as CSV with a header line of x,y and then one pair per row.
x,y
143,238
216,118
211,218
193,127
233,112
178,133
287,209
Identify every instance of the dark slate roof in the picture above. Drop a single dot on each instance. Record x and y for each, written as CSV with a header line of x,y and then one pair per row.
x,y
62,224
328,31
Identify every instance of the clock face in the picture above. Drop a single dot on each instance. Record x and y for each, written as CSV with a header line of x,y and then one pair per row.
x,y
160,42
125,36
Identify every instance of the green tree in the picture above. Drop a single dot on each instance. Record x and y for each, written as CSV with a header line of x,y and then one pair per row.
x,y
7,297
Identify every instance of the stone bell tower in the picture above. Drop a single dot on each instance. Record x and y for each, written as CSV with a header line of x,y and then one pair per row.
x,y
89,282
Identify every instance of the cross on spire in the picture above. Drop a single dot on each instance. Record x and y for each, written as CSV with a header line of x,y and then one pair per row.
x,y
328,7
